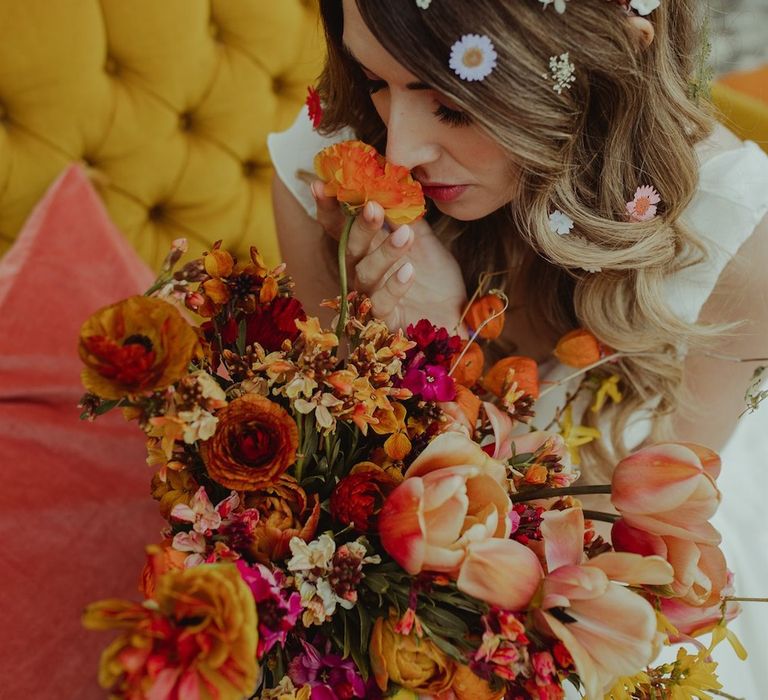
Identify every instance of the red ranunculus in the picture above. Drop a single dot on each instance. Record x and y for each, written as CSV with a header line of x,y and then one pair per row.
x,y
273,323
358,497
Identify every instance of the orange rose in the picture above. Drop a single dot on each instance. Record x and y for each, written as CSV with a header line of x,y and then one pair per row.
x,y
284,512
138,345
580,348
467,685
521,370
254,443
487,306
356,174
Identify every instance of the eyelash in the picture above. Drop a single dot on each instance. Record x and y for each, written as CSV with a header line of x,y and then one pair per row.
x,y
452,117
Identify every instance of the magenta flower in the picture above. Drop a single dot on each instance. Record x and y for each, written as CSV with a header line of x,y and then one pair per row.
x,y
329,675
277,614
431,382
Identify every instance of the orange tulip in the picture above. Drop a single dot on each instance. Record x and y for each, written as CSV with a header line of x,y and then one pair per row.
x,y
487,306
579,348
355,174
521,370
470,366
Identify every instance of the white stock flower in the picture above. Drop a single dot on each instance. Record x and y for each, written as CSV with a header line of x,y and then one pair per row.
x,y
560,223
644,7
559,4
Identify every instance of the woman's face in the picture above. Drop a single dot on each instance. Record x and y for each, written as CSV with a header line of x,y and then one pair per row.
x,y
461,169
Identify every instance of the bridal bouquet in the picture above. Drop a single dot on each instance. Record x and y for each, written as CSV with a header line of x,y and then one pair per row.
x,y
364,513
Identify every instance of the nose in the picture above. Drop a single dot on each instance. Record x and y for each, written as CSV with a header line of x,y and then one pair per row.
x,y
410,135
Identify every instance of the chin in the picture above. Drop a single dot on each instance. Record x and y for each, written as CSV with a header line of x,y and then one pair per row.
x,y
464,211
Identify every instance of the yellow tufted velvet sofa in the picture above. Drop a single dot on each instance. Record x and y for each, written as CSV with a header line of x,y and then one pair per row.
x,y
166,102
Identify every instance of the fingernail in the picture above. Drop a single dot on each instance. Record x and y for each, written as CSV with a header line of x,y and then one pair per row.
x,y
400,237
405,273
313,188
369,212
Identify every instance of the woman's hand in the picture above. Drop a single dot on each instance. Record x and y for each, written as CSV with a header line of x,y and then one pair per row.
x,y
408,274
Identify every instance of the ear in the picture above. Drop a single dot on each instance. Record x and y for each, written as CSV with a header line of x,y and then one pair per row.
x,y
642,30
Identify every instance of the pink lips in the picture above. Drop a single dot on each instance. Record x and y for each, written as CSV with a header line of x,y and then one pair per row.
x,y
443,193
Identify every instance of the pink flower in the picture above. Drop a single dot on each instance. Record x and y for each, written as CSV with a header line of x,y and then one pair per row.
x,y
643,206
203,516
611,631
692,621
431,382
666,495
277,611
451,514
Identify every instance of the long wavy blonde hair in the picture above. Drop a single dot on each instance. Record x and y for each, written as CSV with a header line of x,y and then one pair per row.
x,y
627,120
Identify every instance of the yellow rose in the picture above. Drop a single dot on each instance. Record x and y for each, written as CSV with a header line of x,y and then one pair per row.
x,y
407,660
467,685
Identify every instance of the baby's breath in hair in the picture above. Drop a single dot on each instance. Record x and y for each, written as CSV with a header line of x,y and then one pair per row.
x,y
561,72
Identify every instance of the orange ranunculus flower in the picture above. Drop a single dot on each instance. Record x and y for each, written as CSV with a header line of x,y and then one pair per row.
x,y
484,308
467,685
464,409
160,560
521,370
470,366
580,348
407,660
285,512
356,174
173,487
139,344
254,443
196,638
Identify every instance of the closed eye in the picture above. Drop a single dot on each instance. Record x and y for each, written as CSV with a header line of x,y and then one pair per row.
x,y
454,117
372,86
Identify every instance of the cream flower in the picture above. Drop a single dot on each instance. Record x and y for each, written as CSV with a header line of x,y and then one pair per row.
x,y
423,4
560,223
473,57
559,4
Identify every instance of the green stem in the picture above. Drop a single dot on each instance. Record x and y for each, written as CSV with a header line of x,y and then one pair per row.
x,y
342,258
556,493
600,515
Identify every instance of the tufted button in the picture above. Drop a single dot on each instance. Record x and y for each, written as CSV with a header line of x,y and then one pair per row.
x,y
110,66
157,212
3,113
278,85
186,121
214,30
250,168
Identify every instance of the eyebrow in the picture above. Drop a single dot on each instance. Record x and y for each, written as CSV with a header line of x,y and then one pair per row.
x,y
417,85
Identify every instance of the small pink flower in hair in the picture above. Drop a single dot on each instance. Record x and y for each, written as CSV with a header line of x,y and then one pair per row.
x,y
643,206
314,106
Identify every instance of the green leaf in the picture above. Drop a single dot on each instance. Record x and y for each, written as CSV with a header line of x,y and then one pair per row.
x,y
241,328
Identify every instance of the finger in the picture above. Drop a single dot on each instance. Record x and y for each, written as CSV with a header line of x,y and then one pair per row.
x,y
371,270
385,299
329,214
367,225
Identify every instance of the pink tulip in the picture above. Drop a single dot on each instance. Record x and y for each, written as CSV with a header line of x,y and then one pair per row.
x,y
611,630
453,494
669,490
666,495
500,572
700,569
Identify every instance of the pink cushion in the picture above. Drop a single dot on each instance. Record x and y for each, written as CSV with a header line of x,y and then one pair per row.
x,y
76,511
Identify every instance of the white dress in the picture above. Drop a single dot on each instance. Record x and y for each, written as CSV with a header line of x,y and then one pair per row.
x,y
731,200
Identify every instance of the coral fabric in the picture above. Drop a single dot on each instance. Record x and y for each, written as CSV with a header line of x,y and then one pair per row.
x,y
76,512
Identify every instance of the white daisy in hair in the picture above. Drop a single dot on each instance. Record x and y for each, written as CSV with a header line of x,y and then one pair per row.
x,y
559,4
644,7
560,223
473,57
423,4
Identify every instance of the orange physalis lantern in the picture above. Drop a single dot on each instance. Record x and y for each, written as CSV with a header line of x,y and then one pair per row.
x,y
524,371
470,367
579,348
484,308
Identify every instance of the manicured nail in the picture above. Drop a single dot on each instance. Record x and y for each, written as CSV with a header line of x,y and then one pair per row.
x,y
405,273
400,237
369,212
317,189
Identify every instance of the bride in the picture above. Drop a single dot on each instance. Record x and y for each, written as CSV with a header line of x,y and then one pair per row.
x,y
564,144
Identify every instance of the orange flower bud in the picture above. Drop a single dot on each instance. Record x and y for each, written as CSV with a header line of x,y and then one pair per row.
x,y
469,403
218,263
537,474
470,366
579,348
217,291
484,308
268,290
522,370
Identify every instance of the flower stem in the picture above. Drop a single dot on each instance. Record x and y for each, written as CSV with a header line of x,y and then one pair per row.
x,y
555,493
746,600
601,515
342,258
